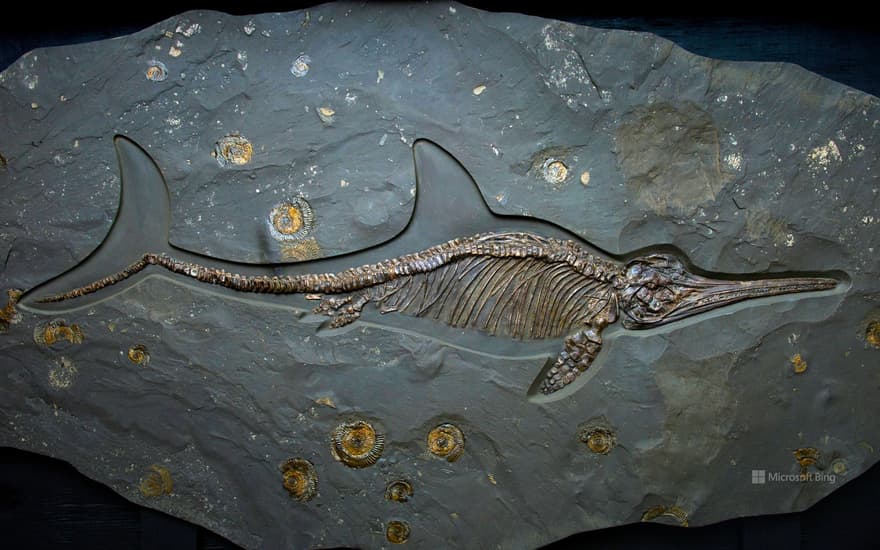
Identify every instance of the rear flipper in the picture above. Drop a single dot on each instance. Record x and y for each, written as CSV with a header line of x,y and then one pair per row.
x,y
580,351
343,310
141,226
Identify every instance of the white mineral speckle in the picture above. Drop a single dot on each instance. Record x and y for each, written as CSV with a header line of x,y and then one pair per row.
x,y
30,81
189,30
821,157
733,161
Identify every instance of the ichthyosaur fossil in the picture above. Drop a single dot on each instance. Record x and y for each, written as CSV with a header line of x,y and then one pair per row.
x,y
508,276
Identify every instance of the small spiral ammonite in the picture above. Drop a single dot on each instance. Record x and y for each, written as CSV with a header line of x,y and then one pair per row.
x,y
292,220
232,150
598,435
299,478
357,444
446,441
300,66
138,354
156,71
156,482
398,490
397,532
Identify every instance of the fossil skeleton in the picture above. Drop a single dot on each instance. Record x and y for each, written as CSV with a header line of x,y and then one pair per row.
x,y
515,284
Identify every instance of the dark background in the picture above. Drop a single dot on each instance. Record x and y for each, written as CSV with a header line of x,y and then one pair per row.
x,y
46,503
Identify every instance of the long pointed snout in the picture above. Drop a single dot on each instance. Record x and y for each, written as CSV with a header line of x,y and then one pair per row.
x,y
660,290
707,294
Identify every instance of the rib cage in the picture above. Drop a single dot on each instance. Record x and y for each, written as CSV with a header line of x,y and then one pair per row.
x,y
524,298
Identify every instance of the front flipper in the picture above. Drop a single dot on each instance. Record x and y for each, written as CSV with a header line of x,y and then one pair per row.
x,y
580,350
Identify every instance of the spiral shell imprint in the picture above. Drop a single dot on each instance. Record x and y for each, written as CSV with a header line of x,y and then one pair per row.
x,y
397,532
300,479
598,436
446,441
357,444
398,490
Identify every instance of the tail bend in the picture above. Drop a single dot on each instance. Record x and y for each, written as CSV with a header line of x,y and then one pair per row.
x,y
141,224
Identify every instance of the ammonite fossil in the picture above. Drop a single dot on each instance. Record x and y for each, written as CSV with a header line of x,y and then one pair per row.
x,y
300,479
598,436
397,532
398,490
156,482
138,354
446,441
357,444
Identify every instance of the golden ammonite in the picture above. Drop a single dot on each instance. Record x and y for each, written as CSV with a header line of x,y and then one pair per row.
x,y
138,354
299,478
446,441
397,532
233,150
597,435
356,444
291,220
